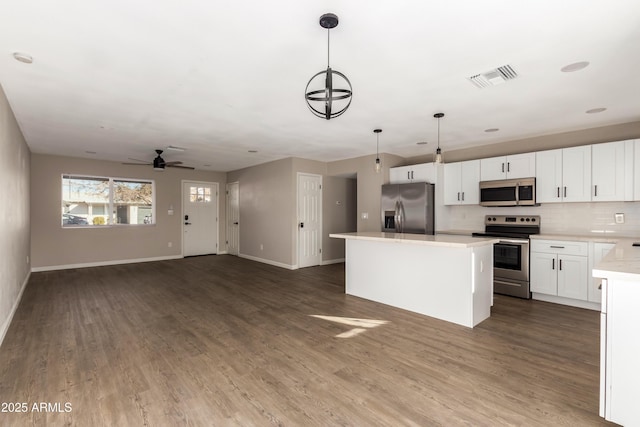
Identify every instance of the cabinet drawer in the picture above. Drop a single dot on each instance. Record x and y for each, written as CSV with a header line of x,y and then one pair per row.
x,y
560,247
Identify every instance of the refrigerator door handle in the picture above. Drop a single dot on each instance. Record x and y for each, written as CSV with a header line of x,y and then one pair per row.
x,y
397,217
400,217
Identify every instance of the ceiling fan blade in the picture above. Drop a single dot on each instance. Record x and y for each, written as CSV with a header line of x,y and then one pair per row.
x,y
138,160
138,164
173,163
178,166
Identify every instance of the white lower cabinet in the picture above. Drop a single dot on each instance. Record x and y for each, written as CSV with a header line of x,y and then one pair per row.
x,y
560,269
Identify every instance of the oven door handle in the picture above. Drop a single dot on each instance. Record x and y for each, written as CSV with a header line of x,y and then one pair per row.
x,y
513,241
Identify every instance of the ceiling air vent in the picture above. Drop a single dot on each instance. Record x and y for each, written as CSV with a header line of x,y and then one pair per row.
x,y
494,77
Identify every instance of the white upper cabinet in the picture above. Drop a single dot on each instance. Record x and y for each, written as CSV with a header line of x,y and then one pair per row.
x,y
548,176
636,169
563,175
461,183
608,172
424,172
576,174
508,167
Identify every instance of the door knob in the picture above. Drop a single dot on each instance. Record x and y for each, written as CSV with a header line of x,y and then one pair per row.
x,y
187,223
235,223
302,225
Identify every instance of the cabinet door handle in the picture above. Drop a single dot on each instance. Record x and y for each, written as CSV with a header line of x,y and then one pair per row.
x,y
508,166
596,191
565,191
411,174
556,247
558,192
560,264
463,196
553,263
503,167
408,175
458,196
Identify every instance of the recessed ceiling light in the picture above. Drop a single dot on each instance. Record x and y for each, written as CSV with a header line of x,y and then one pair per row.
x,y
90,152
576,66
253,151
422,143
595,110
207,166
23,57
491,130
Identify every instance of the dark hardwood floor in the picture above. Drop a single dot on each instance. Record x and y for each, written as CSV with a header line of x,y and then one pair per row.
x,y
220,340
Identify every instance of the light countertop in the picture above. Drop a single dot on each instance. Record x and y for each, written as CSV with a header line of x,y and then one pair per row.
x,y
622,262
587,237
448,240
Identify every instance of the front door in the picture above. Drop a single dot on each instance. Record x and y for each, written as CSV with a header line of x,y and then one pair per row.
x,y
199,218
233,218
309,220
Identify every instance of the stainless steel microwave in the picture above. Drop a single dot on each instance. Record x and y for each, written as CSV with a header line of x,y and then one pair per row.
x,y
508,192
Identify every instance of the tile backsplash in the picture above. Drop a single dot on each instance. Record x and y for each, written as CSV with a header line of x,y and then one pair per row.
x,y
555,218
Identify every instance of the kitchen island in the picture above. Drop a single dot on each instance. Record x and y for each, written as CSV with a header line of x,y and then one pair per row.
x,y
619,332
448,277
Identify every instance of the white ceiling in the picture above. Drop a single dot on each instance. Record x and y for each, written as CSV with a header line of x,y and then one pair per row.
x,y
122,78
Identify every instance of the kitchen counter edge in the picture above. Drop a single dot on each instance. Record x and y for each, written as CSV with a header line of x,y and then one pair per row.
x,y
448,240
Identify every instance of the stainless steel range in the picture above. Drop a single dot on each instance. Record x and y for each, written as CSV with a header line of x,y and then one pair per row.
x,y
511,254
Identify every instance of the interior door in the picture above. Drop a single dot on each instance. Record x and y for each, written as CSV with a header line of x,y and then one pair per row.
x,y
200,218
309,220
233,218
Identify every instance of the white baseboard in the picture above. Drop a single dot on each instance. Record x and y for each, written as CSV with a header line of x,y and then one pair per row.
x,y
7,322
332,261
104,263
268,261
566,301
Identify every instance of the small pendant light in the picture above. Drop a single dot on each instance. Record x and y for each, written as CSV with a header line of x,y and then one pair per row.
x,y
439,159
378,165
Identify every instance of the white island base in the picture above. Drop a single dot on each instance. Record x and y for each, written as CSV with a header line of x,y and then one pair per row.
x,y
446,277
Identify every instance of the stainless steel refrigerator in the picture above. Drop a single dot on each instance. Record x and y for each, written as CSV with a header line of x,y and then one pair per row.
x,y
408,208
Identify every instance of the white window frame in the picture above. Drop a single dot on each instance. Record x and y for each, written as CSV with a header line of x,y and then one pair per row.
x,y
110,205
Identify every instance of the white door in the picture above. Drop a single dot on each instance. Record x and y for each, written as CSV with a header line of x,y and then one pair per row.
x,y
309,220
544,273
233,218
199,218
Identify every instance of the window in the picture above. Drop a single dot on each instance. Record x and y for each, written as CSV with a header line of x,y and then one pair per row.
x,y
200,194
97,201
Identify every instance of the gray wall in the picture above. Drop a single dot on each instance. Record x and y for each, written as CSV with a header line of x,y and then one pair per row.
x,y
14,211
339,214
52,246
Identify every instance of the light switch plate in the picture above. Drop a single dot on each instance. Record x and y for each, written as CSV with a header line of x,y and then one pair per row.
x,y
619,218
365,215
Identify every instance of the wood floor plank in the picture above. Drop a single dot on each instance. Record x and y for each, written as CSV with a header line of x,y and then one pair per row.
x,y
222,340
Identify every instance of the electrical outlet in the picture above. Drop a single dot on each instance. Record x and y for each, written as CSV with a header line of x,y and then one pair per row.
x,y
27,259
619,218
170,244
261,246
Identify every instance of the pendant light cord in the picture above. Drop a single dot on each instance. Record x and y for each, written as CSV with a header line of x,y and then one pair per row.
x,y
328,46
377,145
438,132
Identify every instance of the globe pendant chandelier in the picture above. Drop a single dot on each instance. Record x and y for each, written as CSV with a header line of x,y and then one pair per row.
x,y
333,99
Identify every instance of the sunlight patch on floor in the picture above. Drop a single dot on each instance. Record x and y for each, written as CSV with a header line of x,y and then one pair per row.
x,y
362,324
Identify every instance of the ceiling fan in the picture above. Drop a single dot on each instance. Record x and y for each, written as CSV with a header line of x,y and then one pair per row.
x,y
158,163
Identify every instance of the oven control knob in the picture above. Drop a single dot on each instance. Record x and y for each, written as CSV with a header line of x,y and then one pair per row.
x,y
521,219
528,219
533,220
494,218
